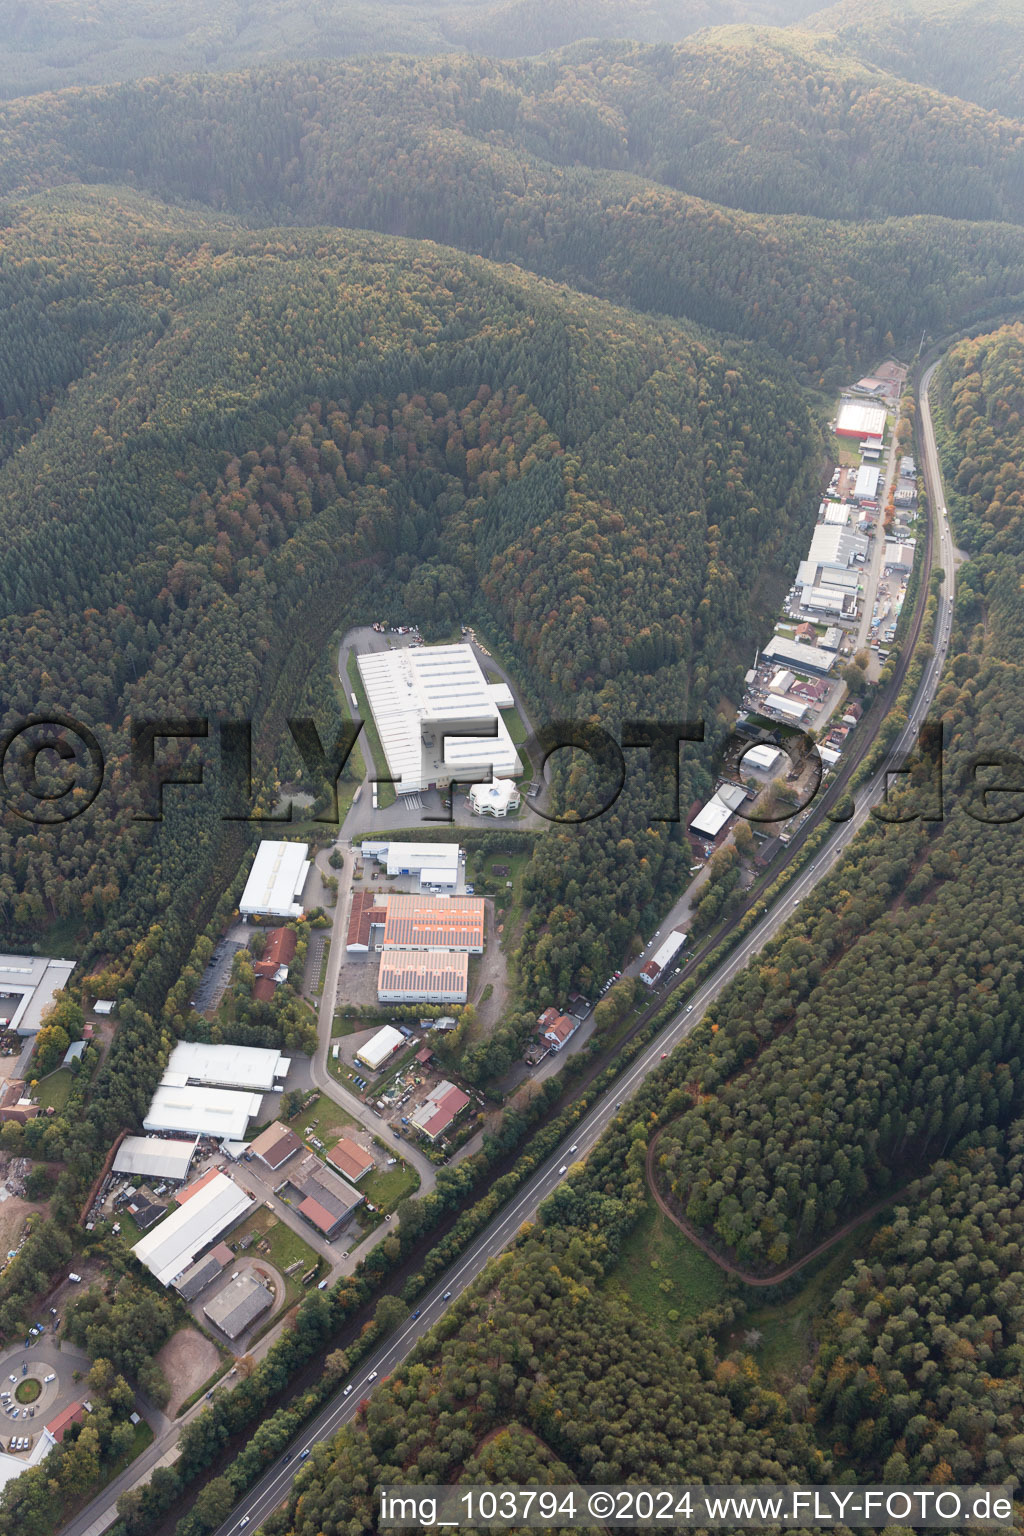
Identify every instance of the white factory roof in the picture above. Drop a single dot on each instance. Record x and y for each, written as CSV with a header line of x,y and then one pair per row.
x,y
824,599
383,1044
829,756
835,546
711,818
155,1157
501,693
437,862
791,708
668,949
832,639
173,1245
782,681
866,487
762,756
415,695
861,418
258,1069
275,881
837,514
794,653
218,1112
32,982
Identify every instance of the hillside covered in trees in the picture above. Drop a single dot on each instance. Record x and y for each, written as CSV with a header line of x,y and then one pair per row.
x,y
582,168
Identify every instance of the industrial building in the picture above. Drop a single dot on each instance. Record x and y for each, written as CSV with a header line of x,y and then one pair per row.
x,y
207,1210
321,1197
663,955
782,680
828,600
867,482
832,639
434,922
368,911
238,1305
836,514
859,419
423,976
218,1112
762,756
424,700
439,1110
495,799
713,818
806,658
203,1272
789,709
155,1157
271,969
836,546
254,1068
28,986
377,1050
275,881
350,1159
435,864
899,557
275,1146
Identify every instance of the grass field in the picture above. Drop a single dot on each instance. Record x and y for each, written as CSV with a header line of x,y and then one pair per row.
x,y
53,1091
663,1274
286,1247
322,1118
386,1186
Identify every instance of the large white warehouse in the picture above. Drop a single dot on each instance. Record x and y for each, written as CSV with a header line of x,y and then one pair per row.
x,y
218,1112
275,881
211,1206
419,694
435,863
255,1068
28,986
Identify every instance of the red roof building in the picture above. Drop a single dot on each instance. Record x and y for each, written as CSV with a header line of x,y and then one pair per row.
x,y
562,1030
57,1428
350,1159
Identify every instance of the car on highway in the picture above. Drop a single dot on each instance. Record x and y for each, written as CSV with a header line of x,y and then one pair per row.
x,y
664,1055
288,1455
304,1454
574,1147
416,1313
347,1390
564,1168
447,1296
689,1007
244,1521
373,1376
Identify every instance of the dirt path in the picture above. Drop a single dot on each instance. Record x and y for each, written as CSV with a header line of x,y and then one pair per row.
x,y
667,1204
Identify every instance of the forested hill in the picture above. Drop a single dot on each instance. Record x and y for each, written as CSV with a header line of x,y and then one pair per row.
x,y
482,156
969,48
49,44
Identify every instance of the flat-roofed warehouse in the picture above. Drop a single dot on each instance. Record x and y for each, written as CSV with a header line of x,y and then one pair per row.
x,y
435,922
792,653
238,1305
210,1210
28,985
434,863
713,817
255,1068
420,693
380,1047
155,1157
219,1112
423,976
860,418
275,881
763,756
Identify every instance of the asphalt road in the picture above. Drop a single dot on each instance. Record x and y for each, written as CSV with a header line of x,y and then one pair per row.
x,y
273,1487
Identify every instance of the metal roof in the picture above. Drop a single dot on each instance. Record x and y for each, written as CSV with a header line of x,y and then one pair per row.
x,y
155,1157
256,1068
425,975
414,694
275,881
34,981
215,1112
172,1246
434,922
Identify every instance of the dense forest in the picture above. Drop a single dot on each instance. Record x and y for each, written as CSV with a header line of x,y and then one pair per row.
x,y
555,166
969,48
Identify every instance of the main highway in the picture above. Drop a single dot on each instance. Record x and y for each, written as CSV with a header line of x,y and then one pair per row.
x,y
274,1486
